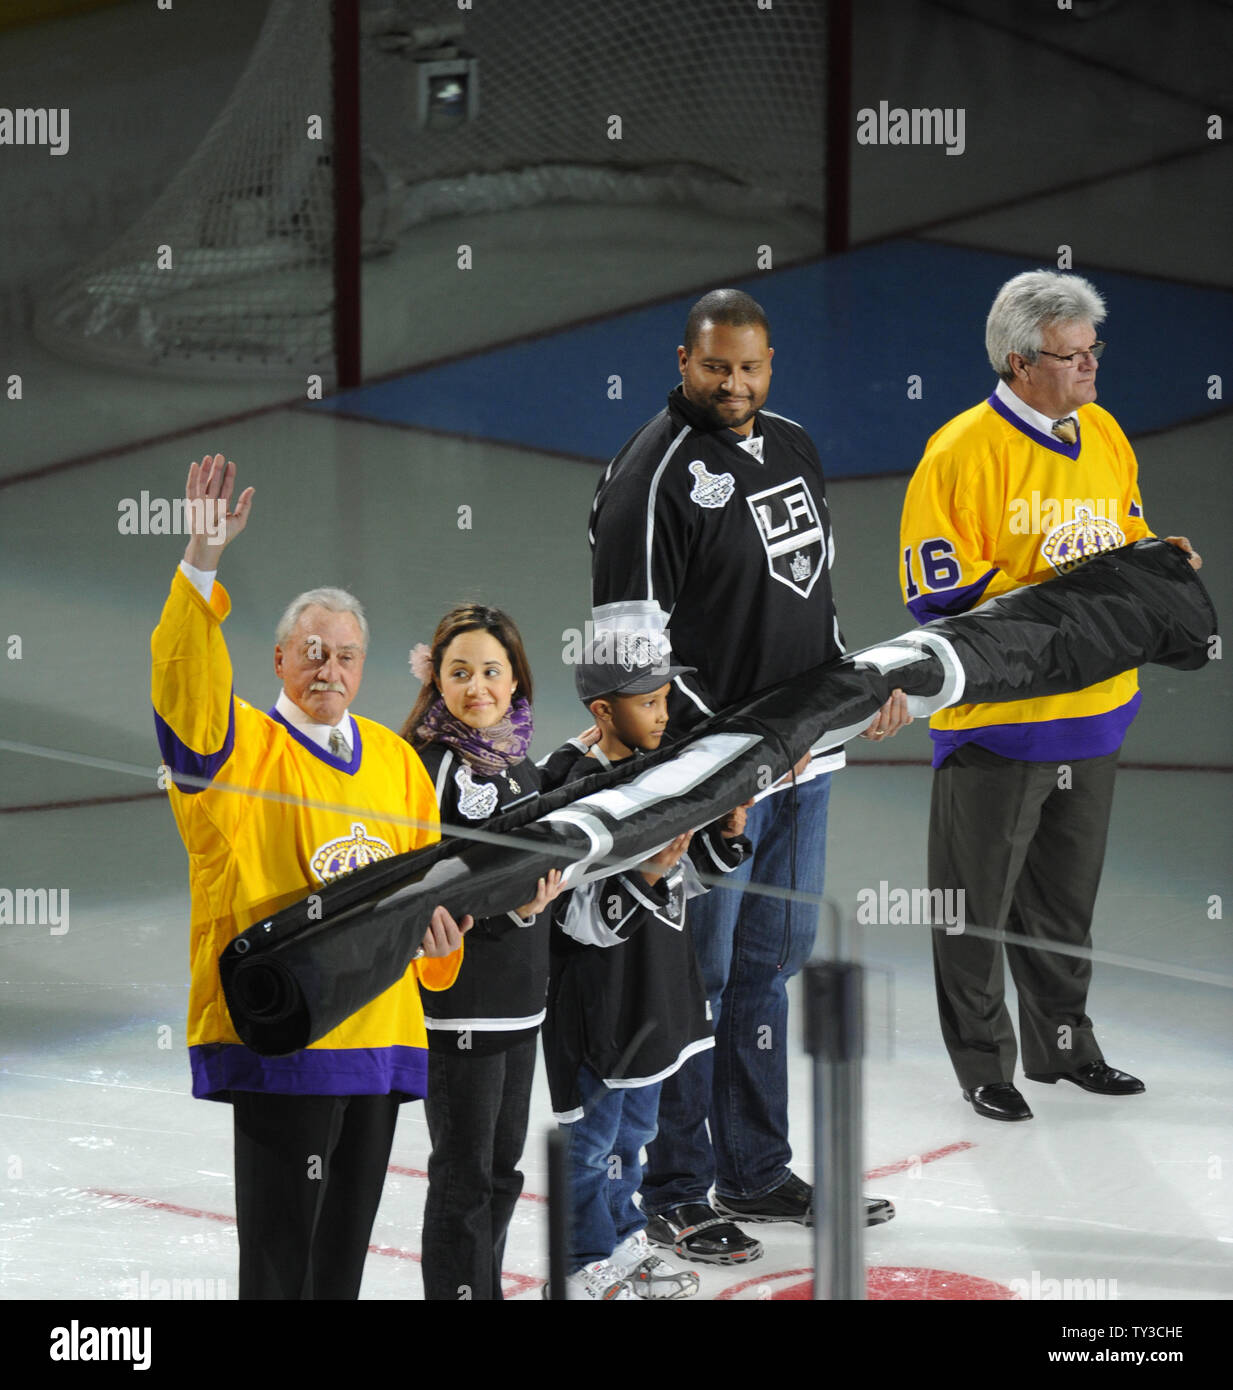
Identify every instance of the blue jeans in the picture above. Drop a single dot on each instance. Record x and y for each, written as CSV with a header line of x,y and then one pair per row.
x,y
749,947
605,1166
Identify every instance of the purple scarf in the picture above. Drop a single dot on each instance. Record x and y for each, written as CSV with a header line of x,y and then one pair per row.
x,y
490,750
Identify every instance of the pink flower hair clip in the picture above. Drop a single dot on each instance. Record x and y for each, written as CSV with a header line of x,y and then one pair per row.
x,y
421,662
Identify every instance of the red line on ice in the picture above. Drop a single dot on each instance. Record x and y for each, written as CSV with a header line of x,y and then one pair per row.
x,y
520,1282
902,1165
420,1173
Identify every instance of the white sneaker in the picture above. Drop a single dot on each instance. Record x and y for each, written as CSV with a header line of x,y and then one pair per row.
x,y
602,1281
638,1265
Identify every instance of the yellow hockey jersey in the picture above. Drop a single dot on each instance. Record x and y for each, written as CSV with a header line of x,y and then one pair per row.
x,y
259,836
994,505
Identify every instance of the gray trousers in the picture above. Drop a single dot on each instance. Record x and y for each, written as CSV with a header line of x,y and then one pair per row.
x,y
1027,851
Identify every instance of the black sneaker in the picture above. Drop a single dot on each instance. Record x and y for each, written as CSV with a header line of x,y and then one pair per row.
x,y
792,1200
694,1231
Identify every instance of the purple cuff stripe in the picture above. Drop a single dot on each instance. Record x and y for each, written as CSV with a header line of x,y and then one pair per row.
x,y
949,601
360,1071
184,761
1050,740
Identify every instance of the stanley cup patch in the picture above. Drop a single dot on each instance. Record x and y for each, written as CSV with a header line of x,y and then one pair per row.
x,y
710,489
791,533
476,800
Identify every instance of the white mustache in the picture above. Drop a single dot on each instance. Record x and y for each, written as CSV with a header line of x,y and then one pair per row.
x,y
326,685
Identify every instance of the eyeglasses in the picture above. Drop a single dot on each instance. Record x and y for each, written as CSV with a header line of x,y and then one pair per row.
x,y
1093,352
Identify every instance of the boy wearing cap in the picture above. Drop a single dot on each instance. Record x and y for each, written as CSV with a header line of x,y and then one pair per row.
x,y
626,1002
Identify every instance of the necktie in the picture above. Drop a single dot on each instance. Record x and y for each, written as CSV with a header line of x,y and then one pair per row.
x,y
338,744
1066,429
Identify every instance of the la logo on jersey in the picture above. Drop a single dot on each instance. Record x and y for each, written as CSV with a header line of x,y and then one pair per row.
x,y
791,532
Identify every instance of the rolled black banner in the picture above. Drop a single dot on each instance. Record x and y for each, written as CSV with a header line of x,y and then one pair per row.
x,y
296,974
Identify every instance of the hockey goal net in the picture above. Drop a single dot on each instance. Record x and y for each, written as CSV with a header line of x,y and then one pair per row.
x,y
468,106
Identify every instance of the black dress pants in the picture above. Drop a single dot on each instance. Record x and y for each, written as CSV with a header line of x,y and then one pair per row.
x,y
308,1177
1025,841
477,1109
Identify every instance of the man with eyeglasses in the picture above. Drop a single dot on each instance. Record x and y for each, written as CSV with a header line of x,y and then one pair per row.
x,y
1027,485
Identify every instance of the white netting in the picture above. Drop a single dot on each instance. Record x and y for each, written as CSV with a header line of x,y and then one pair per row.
x,y
720,104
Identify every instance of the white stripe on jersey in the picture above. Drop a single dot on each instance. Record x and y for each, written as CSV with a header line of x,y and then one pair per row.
x,y
441,774
775,416
650,509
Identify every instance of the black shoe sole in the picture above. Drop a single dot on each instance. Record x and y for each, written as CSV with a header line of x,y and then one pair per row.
x,y
878,1217
750,1219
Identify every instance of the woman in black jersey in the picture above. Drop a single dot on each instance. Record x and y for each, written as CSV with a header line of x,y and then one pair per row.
x,y
472,728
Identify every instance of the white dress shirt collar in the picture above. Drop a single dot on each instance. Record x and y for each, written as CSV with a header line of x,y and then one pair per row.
x,y
1043,424
319,733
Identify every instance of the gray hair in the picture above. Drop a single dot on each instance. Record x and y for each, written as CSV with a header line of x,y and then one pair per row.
x,y
333,600
1026,304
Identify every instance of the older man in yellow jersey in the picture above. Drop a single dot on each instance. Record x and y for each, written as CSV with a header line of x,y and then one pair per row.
x,y
1025,486
270,805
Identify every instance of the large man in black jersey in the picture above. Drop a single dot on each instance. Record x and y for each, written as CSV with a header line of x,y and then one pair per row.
x,y
710,529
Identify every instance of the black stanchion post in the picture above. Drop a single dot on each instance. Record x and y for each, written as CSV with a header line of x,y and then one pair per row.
x,y
834,1038
558,1215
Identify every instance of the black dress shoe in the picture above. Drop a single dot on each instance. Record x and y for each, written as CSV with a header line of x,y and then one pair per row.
x,y
1102,1080
998,1101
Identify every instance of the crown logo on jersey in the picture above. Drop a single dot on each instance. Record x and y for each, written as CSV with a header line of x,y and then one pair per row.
x,y
476,800
1072,543
802,567
349,852
710,489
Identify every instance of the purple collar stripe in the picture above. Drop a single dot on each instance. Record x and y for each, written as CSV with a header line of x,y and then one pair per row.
x,y
1049,441
351,766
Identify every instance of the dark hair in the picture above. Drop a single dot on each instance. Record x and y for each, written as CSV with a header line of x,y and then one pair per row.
x,y
732,307
469,617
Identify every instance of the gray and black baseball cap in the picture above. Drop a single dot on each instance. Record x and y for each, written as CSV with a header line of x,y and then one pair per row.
x,y
624,663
